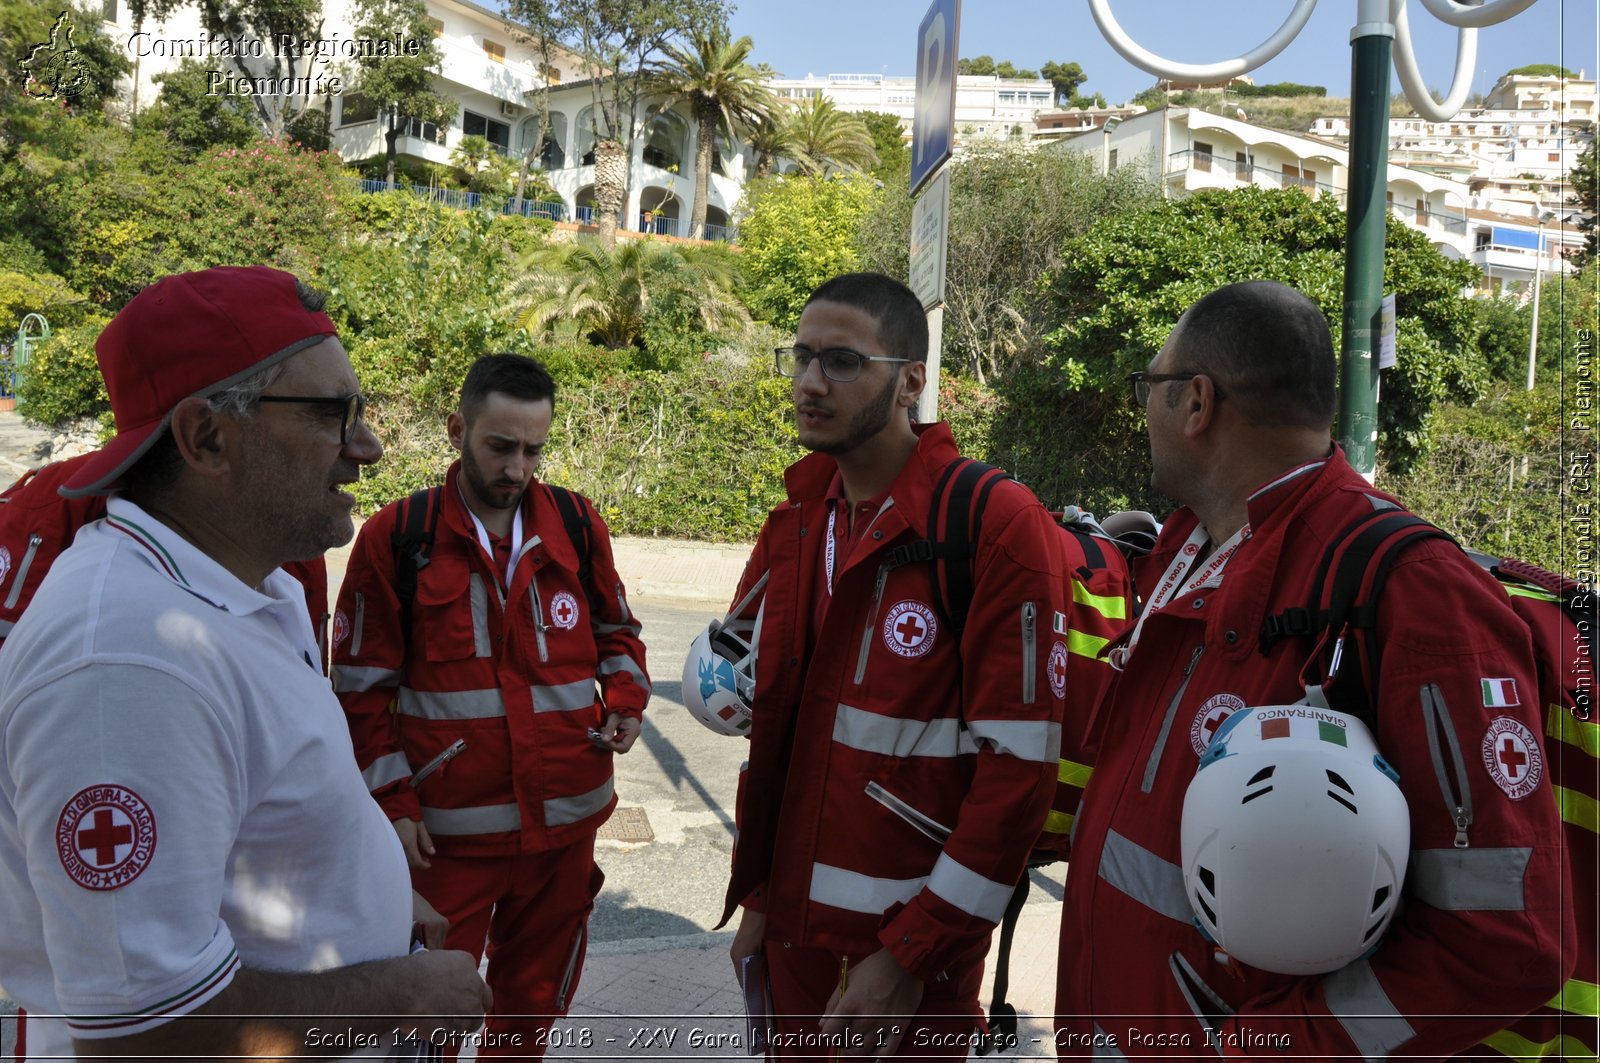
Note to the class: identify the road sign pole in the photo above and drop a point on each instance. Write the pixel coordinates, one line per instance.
(1366, 212)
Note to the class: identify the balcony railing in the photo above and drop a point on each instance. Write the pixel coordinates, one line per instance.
(662, 225)
(464, 200)
(1225, 173)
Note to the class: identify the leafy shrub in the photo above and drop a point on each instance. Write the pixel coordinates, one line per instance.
(62, 381)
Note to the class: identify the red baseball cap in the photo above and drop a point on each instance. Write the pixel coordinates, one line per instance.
(190, 334)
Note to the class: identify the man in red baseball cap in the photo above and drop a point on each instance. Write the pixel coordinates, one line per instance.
(183, 829)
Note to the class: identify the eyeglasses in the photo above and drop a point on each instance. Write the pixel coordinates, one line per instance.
(839, 364)
(1142, 381)
(352, 408)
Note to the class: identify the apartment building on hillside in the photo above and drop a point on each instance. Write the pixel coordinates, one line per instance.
(1186, 150)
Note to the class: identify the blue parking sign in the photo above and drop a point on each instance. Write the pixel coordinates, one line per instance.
(933, 128)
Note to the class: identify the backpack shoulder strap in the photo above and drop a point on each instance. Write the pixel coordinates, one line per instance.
(1346, 591)
(955, 523)
(575, 518)
(415, 522)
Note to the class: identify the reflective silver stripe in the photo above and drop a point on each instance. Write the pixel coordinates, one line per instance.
(612, 629)
(359, 625)
(1364, 1010)
(873, 732)
(350, 679)
(451, 705)
(559, 811)
(1468, 880)
(385, 770)
(1144, 876)
(479, 594)
(563, 698)
(1036, 740)
(1105, 1045)
(966, 889)
(623, 663)
(622, 607)
(855, 892)
(485, 819)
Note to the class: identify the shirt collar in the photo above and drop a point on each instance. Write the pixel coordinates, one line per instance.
(192, 568)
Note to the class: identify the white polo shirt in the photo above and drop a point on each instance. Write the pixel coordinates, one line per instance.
(178, 794)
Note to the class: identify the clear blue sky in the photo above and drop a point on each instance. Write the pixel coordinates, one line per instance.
(879, 37)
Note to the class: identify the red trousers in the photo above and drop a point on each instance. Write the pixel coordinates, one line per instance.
(945, 1026)
(533, 912)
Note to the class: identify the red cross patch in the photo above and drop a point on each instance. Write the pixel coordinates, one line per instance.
(909, 629)
(1056, 669)
(106, 836)
(564, 611)
(1210, 716)
(341, 627)
(1511, 754)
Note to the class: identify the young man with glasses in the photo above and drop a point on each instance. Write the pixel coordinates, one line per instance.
(522, 646)
(1239, 403)
(191, 864)
(873, 931)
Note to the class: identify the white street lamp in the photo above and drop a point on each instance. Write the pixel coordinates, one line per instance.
(1538, 272)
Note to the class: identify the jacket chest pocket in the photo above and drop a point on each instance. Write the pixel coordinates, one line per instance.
(452, 615)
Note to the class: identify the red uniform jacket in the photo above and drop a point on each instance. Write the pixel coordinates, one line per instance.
(968, 735)
(1485, 929)
(514, 674)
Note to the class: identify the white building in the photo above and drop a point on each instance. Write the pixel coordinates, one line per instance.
(985, 105)
(1514, 152)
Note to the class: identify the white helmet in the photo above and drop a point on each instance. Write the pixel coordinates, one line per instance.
(719, 674)
(1295, 839)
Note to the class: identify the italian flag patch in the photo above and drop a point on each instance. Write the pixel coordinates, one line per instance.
(1058, 623)
(1499, 693)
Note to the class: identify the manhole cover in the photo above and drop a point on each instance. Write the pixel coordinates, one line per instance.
(627, 825)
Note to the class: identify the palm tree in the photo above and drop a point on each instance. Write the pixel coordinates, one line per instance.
(606, 295)
(830, 138)
(723, 92)
(774, 137)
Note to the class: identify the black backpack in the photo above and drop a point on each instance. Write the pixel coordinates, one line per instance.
(418, 517)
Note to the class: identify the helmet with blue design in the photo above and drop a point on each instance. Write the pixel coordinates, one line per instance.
(719, 674)
(1295, 839)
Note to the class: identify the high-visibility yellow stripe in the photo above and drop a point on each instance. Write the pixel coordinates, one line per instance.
(1072, 773)
(1110, 606)
(1058, 823)
(1529, 592)
(1580, 810)
(1084, 644)
(1579, 998)
(1525, 1051)
(1565, 727)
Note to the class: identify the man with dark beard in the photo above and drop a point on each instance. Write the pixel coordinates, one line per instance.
(870, 709)
(486, 612)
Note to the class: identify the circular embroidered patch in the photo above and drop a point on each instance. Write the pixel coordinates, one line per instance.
(5, 563)
(1190, 549)
(1056, 669)
(106, 836)
(564, 611)
(909, 629)
(341, 627)
(1212, 715)
(1512, 755)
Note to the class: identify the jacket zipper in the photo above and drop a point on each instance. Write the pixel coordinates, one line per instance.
(22, 570)
(1030, 616)
(872, 622)
(1166, 724)
(1457, 798)
(572, 967)
(361, 619)
(538, 614)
